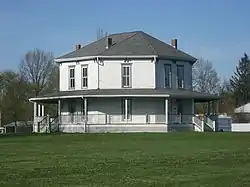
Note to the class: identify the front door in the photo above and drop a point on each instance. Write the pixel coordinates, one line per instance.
(72, 110)
(179, 111)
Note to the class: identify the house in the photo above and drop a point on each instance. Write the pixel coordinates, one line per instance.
(126, 82)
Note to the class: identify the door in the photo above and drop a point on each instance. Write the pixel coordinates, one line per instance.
(179, 111)
(72, 110)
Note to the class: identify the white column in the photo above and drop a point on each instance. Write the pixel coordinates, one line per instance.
(192, 106)
(217, 107)
(126, 108)
(166, 110)
(35, 109)
(42, 110)
(85, 108)
(35, 117)
(59, 111)
(39, 110)
(209, 108)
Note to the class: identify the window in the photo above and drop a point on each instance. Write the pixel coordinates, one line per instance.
(180, 76)
(84, 76)
(126, 107)
(72, 78)
(168, 78)
(126, 75)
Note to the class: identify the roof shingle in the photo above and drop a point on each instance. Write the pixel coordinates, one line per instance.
(131, 44)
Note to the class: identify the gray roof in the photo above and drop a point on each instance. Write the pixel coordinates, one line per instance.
(174, 93)
(131, 44)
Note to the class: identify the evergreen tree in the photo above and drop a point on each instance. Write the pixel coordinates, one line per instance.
(240, 82)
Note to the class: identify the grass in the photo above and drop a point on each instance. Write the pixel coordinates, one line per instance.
(173, 159)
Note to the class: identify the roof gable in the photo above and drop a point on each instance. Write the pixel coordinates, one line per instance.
(130, 44)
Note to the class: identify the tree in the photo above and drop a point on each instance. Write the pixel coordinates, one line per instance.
(240, 81)
(227, 102)
(205, 78)
(101, 34)
(37, 68)
(14, 98)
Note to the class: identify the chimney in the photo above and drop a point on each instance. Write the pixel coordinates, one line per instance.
(78, 46)
(108, 42)
(174, 43)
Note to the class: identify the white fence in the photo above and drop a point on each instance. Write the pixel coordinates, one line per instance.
(240, 127)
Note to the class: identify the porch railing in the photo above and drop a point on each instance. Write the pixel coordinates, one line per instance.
(120, 119)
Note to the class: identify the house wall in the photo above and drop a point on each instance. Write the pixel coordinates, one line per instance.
(143, 74)
(160, 75)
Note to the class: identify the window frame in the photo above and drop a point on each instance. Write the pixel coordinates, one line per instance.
(84, 77)
(177, 75)
(128, 77)
(72, 78)
(168, 76)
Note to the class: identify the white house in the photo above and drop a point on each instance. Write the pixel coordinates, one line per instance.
(126, 82)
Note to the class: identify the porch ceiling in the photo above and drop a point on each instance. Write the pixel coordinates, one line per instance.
(173, 93)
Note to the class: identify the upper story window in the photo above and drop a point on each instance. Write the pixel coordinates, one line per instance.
(180, 76)
(168, 78)
(72, 77)
(126, 75)
(84, 76)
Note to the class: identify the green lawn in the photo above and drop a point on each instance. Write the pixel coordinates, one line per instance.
(173, 159)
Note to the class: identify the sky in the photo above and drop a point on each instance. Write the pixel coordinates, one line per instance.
(216, 30)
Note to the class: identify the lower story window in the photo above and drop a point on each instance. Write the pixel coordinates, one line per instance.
(126, 108)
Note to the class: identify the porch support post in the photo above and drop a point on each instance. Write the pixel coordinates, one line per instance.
(35, 117)
(39, 110)
(85, 108)
(126, 109)
(59, 111)
(166, 110)
(192, 107)
(217, 107)
(35, 109)
(42, 110)
(209, 108)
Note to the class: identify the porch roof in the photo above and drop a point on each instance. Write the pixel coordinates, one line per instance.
(172, 93)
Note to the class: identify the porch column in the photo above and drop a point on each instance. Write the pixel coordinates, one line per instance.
(126, 109)
(192, 107)
(35, 125)
(85, 108)
(217, 107)
(209, 108)
(42, 110)
(35, 110)
(166, 110)
(39, 110)
(59, 111)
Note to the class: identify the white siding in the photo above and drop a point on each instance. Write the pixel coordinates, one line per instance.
(143, 74)
(160, 75)
(64, 75)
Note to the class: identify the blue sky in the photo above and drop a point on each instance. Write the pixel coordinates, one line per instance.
(217, 30)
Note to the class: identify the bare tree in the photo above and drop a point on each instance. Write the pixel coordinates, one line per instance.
(101, 34)
(205, 77)
(37, 68)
